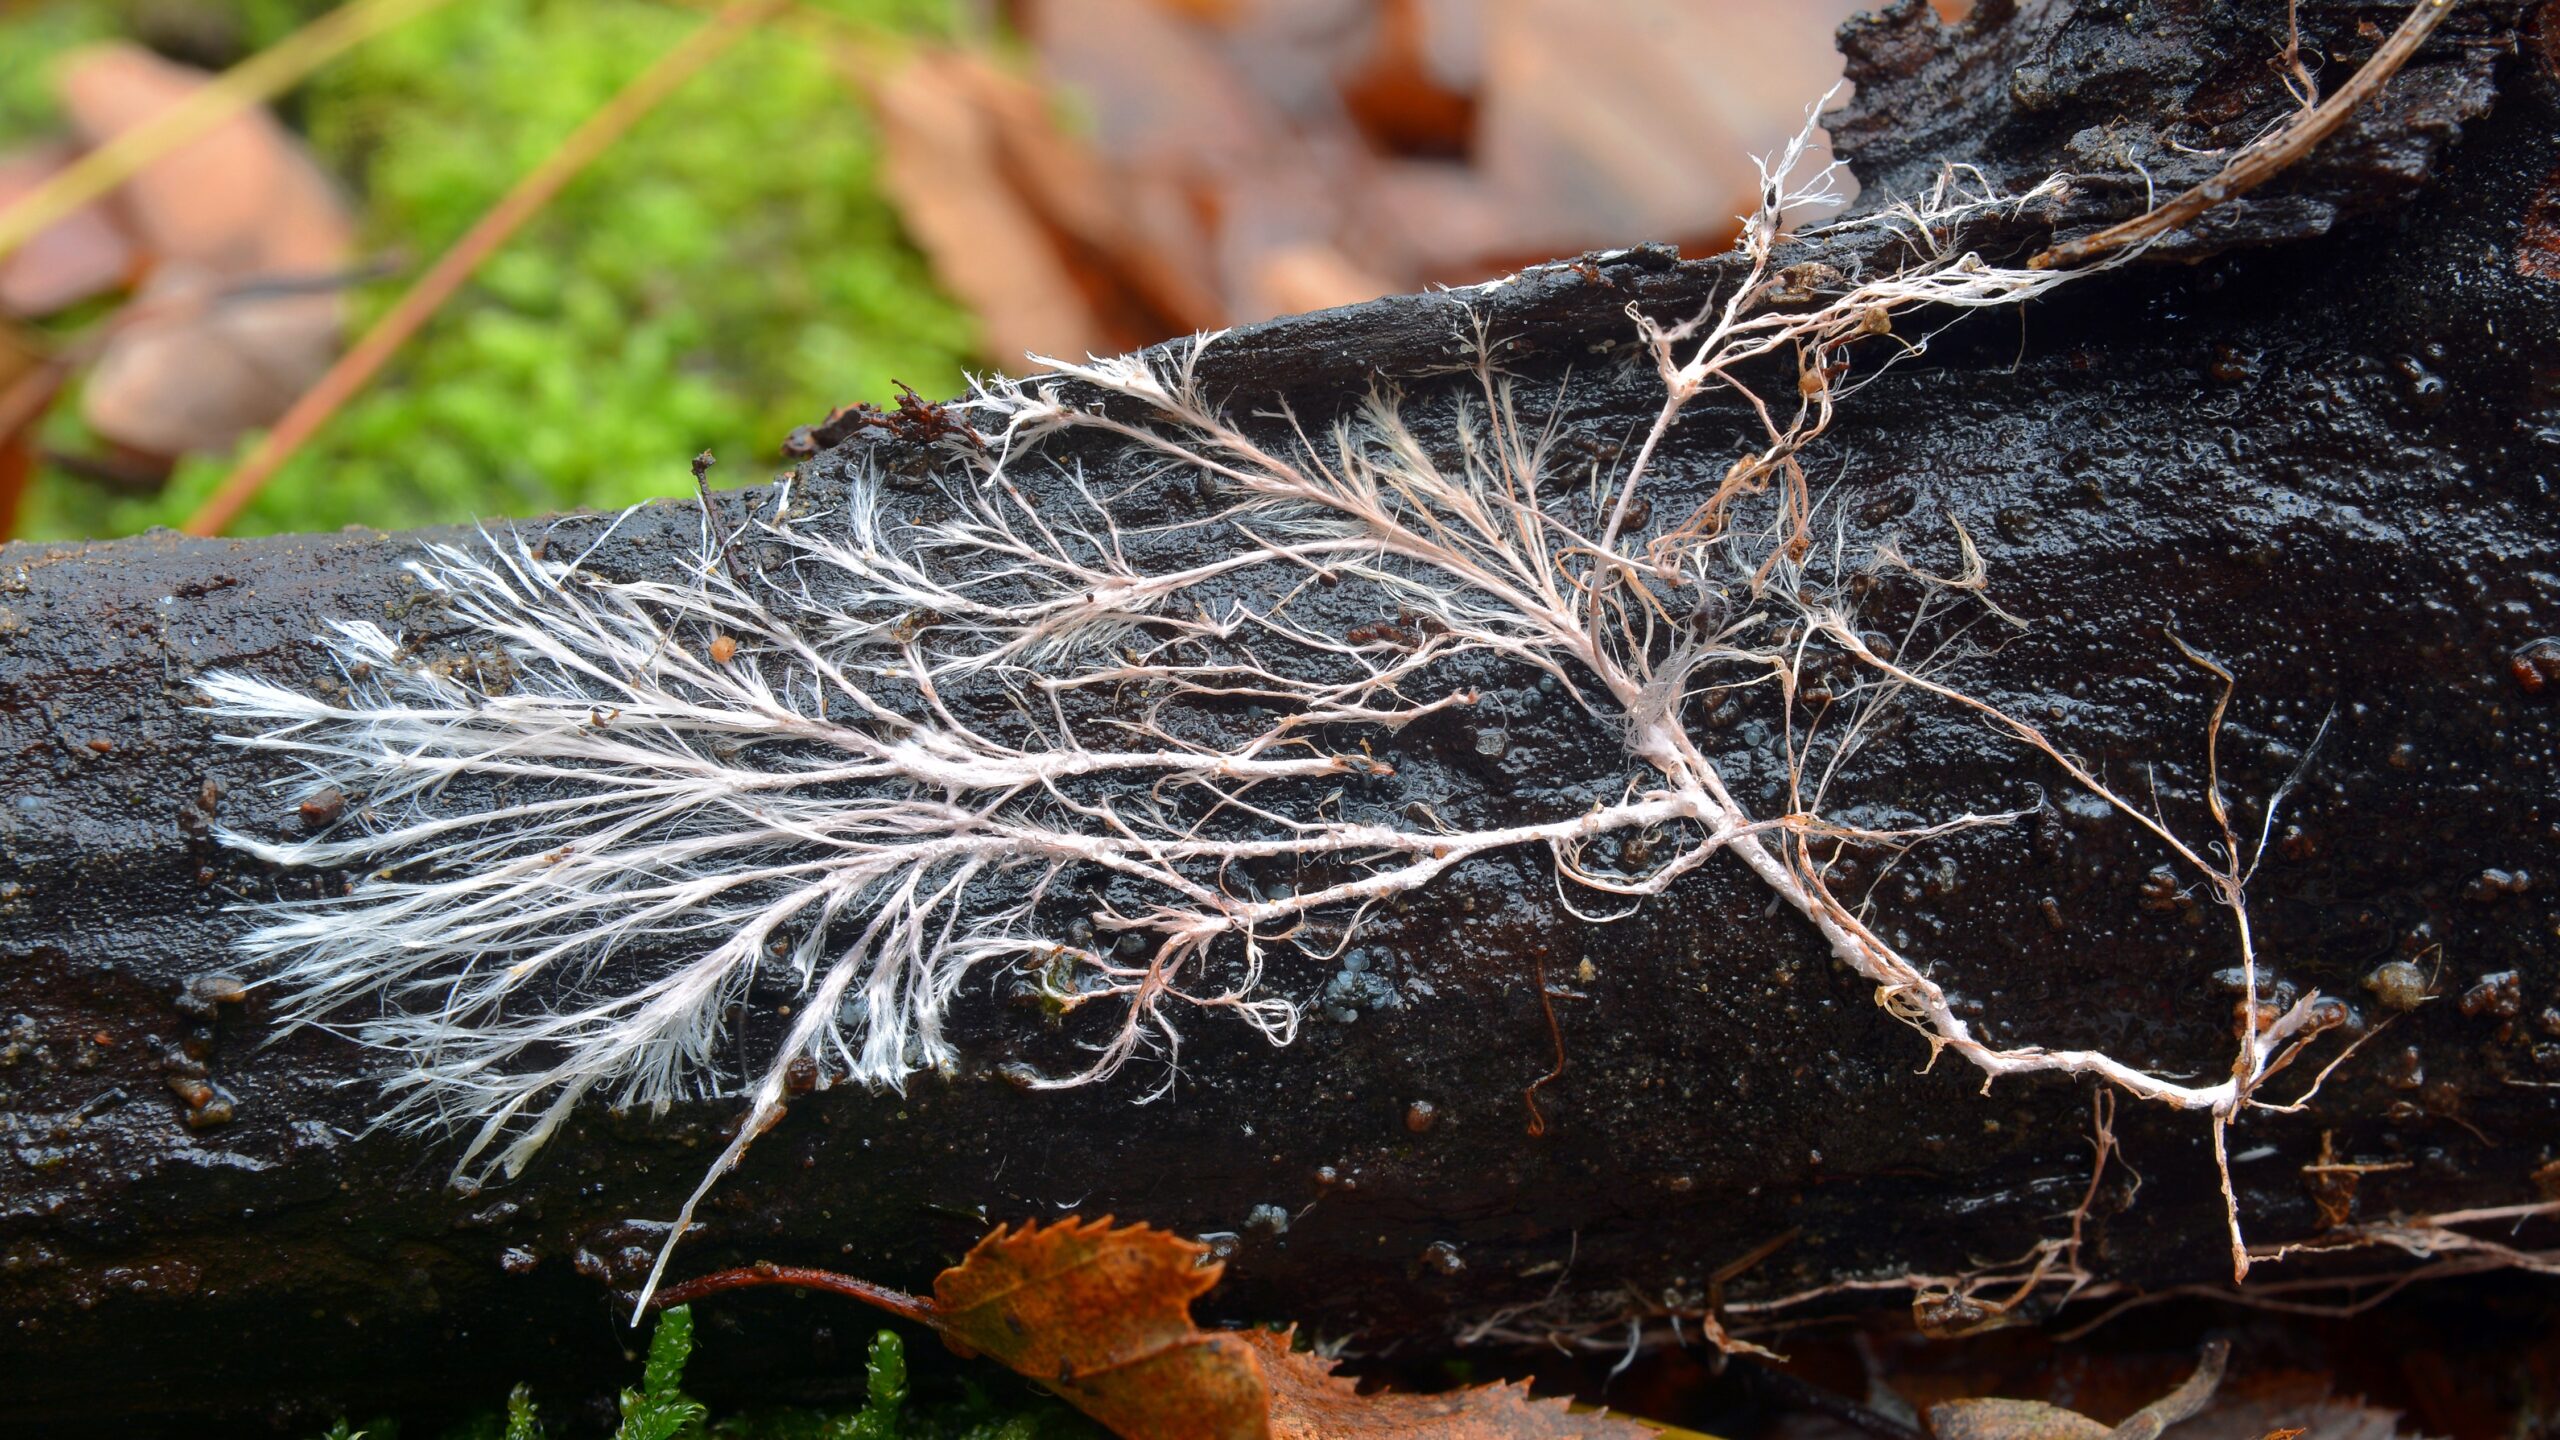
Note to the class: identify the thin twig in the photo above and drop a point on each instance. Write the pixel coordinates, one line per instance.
(896, 1302)
(35, 376)
(17, 471)
(2191, 1396)
(1555, 1033)
(357, 367)
(2263, 159)
(252, 82)
(2298, 77)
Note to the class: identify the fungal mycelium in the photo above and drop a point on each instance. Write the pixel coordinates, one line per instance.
(1045, 726)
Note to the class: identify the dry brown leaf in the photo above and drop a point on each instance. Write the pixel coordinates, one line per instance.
(2011, 1420)
(942, 166)
(81, 256)
(1139, 289)
(1211, 167)
(2298, 1403)
(1410, 96)
(2036, 1420)
(1102, 1314)
(1018, 218)
(245, 198)
(1196, 164)
(1310, 1402)
(244, 203)
(2297, 1407)
(1299, 278)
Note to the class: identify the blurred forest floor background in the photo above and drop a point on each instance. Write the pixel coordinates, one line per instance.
(854, 193)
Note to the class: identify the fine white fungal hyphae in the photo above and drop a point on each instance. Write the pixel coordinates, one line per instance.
(835, 762)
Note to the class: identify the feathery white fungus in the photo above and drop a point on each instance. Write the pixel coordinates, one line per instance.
(870, 764)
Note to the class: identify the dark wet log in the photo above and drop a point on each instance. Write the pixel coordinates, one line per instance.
(2329, 456)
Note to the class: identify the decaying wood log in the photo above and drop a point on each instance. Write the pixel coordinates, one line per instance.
(2321, 451)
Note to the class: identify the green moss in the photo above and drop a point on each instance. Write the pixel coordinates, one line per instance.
(727, 271)
(521, 1422)
(660, 1410)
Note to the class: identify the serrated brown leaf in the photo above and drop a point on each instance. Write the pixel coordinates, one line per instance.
(1099, 1313)
(1310, 1402)
(1102, 1314)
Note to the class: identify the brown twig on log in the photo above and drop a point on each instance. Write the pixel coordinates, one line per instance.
(2266, 158)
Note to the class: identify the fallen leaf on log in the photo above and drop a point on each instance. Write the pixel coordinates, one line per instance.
(1102, 1315)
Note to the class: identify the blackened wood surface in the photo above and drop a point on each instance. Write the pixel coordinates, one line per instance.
(2328, 456)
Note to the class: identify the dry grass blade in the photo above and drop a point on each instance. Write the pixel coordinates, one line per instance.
(357, 367)
(253, 81)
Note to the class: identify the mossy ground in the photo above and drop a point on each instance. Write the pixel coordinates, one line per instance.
(727, 271)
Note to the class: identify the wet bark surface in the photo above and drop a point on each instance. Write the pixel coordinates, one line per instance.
(2328, 456)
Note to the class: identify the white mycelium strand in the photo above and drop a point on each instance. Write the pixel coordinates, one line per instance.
(872, 763)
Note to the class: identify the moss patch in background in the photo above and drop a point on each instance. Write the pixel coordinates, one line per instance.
(726, 272)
